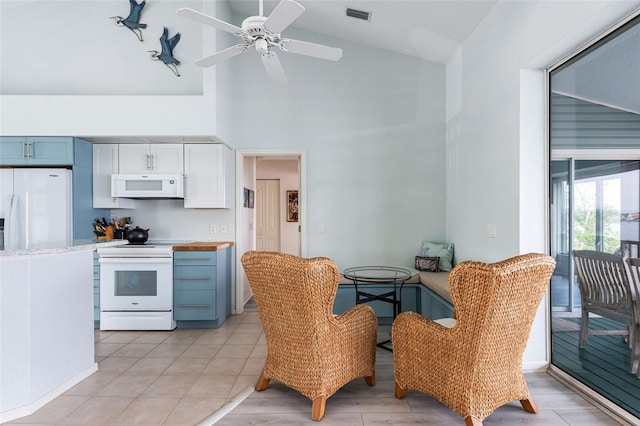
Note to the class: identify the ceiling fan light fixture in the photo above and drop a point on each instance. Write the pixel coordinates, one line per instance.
(262, 46)
(359, 14)
(263, 33)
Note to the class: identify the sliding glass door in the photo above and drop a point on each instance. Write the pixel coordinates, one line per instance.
(594, 113)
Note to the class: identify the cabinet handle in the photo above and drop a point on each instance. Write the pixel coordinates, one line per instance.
(194, 305)
(192, 278)
(148, 162)
(31, 150)
(153, 166)
(25, 149)
(196, 258)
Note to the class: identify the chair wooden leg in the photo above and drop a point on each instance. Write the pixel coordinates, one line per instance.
(262, 383)
(317, 408)
(584, 329)
(472, 421)
(529, 405)
(371, 380)
(400, 393)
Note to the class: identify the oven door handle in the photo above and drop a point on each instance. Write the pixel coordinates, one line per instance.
(135, 260)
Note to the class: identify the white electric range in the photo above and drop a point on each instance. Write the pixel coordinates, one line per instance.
(136, 286)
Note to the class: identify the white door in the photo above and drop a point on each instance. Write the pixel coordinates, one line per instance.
(267, 205)
(105, 163)
(204, 170)
(167, 158)
(134, 158)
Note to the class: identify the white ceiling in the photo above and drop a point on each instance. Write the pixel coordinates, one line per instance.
(426, 29)
(434, 29)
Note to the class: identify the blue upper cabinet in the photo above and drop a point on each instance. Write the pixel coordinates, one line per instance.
(36, 151)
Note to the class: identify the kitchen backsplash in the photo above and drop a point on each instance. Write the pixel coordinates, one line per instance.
(169, 220)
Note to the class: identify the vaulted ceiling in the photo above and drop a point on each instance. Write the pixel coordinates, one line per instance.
(426, 29)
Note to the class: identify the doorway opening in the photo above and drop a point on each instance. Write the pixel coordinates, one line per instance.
(266, 224)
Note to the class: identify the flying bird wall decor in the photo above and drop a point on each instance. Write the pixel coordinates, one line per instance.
(166, 55)
(133, 20)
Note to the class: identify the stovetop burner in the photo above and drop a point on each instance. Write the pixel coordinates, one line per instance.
(148, 249)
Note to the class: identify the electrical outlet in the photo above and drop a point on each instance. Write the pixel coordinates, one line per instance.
(491, 231)
(223, 229)
(321, 228)
(213, 229)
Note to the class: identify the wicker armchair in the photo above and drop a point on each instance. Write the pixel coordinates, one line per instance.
(475, 365)
(607, 288)
(308, 348)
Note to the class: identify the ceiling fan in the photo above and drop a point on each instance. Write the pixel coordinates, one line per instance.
(263, 33)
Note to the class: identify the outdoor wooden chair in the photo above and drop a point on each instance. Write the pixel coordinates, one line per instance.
(473, 364)
(308, 348)
(608, 289)
(634, 270)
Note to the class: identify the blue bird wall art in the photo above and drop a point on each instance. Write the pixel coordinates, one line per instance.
(133, 20)
(166, 56)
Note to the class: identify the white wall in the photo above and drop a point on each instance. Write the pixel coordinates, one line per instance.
(372, 126)
(496, 129)
(84, 76)
(286, 171)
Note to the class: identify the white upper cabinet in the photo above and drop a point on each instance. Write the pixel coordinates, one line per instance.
(105, 163)
(208, 175)
(151, 158)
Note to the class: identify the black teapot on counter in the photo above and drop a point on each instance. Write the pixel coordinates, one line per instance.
(137, 235)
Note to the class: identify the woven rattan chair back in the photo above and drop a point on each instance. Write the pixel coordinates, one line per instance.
(607, 288)
(475, 366)
(308, 348)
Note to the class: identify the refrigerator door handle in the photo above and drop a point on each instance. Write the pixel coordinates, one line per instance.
(10, 235)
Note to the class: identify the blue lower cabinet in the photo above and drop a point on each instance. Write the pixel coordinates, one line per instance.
(201, 287)
(415, 297)
(433, 306)
(346, 298)
(195, 305)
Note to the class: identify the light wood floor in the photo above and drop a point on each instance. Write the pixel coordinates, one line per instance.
(183, 376)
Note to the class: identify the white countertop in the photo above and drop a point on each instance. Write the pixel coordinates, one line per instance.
(60, 247)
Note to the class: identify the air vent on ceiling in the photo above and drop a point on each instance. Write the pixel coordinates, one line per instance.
(360, 14)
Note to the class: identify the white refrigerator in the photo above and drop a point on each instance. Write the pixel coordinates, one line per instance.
(36, 206)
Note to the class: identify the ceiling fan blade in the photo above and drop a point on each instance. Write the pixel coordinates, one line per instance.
(311, 49)
(274, 68)
(222, 55)
(283, 15)
(208, 20)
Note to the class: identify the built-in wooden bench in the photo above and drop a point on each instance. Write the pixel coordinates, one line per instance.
(426, 293)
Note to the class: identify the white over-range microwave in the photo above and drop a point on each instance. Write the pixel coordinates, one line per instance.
(147, 185)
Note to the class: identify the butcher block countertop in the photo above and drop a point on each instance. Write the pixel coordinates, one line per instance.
(203, 246)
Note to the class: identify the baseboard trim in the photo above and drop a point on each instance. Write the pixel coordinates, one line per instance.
(535, 367)
(29, 409)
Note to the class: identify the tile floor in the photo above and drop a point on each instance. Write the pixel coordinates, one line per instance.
(182, 377)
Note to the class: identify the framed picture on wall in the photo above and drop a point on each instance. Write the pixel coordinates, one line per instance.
(251, 197)
(292, 206)
(246, 198)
